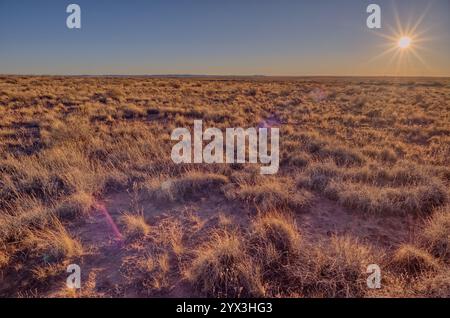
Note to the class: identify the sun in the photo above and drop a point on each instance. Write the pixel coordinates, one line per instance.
(402, 52)
(404, 42)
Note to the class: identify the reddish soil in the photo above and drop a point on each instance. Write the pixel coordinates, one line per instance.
(110, 259)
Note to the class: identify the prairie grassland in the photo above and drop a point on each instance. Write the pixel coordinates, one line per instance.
(87, 178)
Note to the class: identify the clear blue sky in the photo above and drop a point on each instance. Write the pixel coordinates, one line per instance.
(240, 37)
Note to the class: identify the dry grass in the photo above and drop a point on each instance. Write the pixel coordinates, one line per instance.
(276, 238)
(399, 190)
(363, 145)
(186, 187)
(339, 268)
(436, 234)
(436, 285)
(157, 270)
(4, 259)
(77, 205)
(223, 269)
(53, 243)
(134, 225)
(413, 261)
(270, 194)
(274, 255)
(365, 198)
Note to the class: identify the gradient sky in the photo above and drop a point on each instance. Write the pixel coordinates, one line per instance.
(228, 37)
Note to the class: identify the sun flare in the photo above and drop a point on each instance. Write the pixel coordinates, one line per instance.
(404, 42)
(404, 46)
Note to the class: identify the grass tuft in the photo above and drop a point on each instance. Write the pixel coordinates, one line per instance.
(223, 269)
(135, 225)
(413, 260)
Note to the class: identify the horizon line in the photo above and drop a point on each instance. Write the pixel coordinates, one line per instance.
(175, 75)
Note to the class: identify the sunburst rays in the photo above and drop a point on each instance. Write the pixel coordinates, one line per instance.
(405, 44)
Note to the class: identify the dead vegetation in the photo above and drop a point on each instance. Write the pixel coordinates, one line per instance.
(374, 148)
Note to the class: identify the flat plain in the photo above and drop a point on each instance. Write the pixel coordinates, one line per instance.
(87, 179)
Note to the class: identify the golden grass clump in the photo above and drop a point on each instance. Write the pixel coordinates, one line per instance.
(53, 243)
(276, 238)
(130, 111)
(4, 259)
(19, 219)
(435, 285)
(156, 270)
(170, 234)
(413, 260)
(185, 187)
(223, 269)
(396, 176)
(342, 156)
(325, 148)
(135, 225)
(271, 194)
(78, 204)
(365, 198)
(318, 175)
(436, 234)
(339, 269)
(276, 246)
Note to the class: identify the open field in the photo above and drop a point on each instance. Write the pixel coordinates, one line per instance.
(87, 178)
